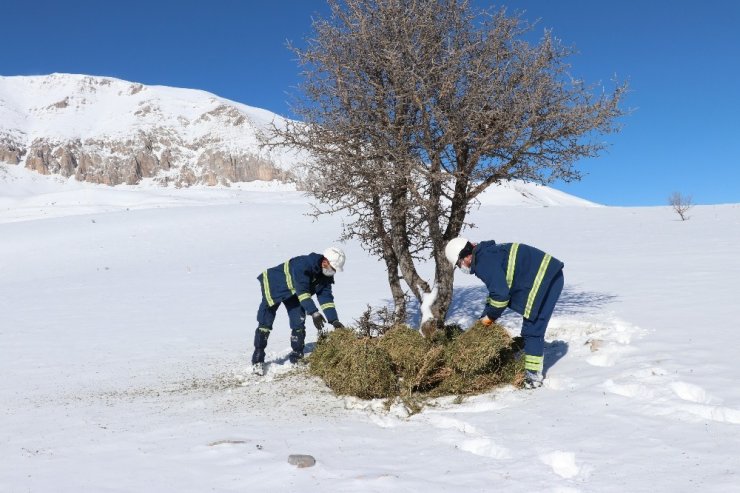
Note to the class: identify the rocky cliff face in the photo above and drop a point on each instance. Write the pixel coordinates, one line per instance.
(110, 131)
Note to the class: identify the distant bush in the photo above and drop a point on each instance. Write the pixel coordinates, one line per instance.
(401, 363)
(681, 204)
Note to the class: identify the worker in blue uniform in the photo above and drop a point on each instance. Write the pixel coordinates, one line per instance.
(293, 283)
(520, 277)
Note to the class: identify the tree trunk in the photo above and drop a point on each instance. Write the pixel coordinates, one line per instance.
(391, 261)
(444, 272)
(445, 278)
(399, 297)
(400, 236)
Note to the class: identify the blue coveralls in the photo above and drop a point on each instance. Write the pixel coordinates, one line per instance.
(526, 280)
(292, 283)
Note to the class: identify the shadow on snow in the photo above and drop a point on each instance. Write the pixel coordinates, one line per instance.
(468, 302)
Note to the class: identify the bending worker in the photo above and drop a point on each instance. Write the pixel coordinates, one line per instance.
(293, 283)
(519, 277)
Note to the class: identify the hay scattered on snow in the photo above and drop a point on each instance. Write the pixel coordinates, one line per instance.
(403, 363)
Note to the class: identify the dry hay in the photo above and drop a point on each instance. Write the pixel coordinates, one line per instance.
(478, 349)
(407, 349)
(352, 366)
(330, 351)
(403, 363)
(417, 362)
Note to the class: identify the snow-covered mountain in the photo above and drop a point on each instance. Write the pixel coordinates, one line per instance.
(106, 130)
(521, 193)
(110, 131)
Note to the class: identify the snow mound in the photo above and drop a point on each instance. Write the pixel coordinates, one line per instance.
(517, 192)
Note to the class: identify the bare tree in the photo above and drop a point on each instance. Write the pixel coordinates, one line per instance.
(681, 204)
(412, 108)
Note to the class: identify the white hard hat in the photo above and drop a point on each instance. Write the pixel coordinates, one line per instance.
(336, 258)
(453, 249)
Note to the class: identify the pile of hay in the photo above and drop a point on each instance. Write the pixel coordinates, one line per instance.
(352, 366)
(402, 363)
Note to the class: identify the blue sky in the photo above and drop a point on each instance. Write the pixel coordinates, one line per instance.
(681, 59)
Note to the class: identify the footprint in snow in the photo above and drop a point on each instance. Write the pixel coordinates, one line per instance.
(690, 392)
(603, 341)
(562, 463)
(466, 437)
(703, 405)
(678, 398)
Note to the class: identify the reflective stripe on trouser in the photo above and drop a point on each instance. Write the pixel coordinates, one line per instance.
(297, 339)
(533, 331)
(297, 316)
(266, 317)
(533, 363)
(260, 343)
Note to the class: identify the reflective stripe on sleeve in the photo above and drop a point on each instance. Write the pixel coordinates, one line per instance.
(304, 296)
(512, 264)
(537, 283)
(497, 304)
(327, 305)
(266, 288)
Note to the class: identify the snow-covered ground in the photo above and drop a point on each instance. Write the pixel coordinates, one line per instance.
(127, 317)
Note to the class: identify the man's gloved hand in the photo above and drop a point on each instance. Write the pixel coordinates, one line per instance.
(486, 321)
(337, 324)
(318, 320)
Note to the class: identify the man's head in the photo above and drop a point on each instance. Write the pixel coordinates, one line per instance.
(459, 252)
(333, 260)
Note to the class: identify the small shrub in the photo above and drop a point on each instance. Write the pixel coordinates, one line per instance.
(375, 322)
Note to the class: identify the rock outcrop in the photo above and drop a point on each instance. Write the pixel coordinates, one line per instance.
(114, 132)
(10, 152)
(112, 162)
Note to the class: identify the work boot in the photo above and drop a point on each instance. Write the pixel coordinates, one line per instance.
(295, 357)
(258, 369)
(532, 379)
(258, 356)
